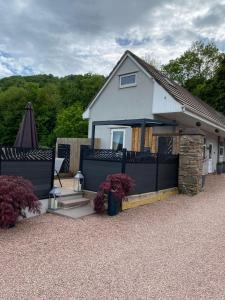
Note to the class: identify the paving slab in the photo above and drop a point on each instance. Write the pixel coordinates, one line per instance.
(74, 213)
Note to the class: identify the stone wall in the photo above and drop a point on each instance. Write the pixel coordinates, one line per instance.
(191, 161)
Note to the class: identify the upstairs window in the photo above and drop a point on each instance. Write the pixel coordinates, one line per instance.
(127, 80)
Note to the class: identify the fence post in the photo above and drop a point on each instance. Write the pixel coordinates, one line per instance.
(82, 148)
(53, 167)
(124, 158)
(157, 173)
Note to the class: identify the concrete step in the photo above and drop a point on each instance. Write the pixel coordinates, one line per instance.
(74, 213)
(72, 196)
(66, 203)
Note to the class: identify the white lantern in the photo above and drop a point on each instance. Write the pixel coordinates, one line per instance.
(54, 196)
(78, 182)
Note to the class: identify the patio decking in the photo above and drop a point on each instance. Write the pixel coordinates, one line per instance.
(173, 249)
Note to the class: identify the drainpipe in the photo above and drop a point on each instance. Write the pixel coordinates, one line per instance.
(218, 150)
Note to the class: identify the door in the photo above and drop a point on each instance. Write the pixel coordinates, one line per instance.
(165, 145)
(117, 139)
(210, 164)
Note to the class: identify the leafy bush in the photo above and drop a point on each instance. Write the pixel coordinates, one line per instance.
(16, 194)
(120, 184)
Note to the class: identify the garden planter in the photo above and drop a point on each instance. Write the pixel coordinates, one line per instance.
(219, 168)
(114, 204)
(203, 180)
(224, 167)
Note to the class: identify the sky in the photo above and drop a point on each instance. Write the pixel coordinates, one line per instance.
(63, 37)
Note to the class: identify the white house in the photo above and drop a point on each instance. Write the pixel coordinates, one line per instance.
(136, 90)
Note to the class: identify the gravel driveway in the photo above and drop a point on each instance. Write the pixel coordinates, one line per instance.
(173, 249)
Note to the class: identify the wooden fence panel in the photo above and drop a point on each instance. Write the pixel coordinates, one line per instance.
(75, 144)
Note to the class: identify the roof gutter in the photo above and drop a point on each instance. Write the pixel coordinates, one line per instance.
(188, 111)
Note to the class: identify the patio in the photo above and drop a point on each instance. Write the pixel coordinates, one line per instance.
(172, 249)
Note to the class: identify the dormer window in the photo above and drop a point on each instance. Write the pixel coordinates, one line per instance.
(127, 80)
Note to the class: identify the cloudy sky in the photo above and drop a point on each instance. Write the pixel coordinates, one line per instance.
(64, 37)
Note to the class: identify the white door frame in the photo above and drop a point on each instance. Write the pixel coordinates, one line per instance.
(114, 130)
(210, 164)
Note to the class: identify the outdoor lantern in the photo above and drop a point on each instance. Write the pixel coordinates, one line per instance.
(78, 182)
(54, 196)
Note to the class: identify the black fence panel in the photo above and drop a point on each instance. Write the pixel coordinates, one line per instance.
(144, 176)
(96, 171)
(64, 152)
(151, 171)
(36, 165)
(167, 171)
(38, 172)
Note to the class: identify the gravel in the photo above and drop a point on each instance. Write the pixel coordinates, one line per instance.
(172, 249)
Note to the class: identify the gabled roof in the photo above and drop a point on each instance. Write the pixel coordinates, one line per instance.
(182, 95)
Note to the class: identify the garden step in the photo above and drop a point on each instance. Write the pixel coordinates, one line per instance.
(72, 203)
(71, 196)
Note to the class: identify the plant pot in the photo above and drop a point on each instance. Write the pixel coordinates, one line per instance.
(224, 167)
(114, 204)
(203, 180)
(219, 169)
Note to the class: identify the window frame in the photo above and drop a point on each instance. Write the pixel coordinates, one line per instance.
(221, 148)
(129, 84)
(111, 138)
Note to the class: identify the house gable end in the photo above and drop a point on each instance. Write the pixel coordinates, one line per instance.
(163, 102)
(117, 71)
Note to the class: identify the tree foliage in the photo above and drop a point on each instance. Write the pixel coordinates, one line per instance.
(201, 69)
(70, 123)
(196, 65)
(50, 96)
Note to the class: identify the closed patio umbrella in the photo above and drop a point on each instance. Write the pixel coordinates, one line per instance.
(27, 134)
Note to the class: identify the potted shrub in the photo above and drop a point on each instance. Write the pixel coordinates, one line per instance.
(117, 187)
(219, 167)
(16, 194)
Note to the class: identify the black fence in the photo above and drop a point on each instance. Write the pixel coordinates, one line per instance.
(36, 165)
(151, 171)
(64, 152)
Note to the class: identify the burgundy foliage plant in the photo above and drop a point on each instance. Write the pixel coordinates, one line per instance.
(16, 194)
(121, 184)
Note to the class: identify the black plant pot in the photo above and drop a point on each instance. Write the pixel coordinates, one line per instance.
(224, 167)
(203, 180)
(219, 169)
(114, 204)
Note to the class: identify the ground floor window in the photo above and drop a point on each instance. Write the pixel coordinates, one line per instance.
(117, 139)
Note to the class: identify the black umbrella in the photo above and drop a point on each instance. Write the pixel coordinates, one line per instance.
(27, 134)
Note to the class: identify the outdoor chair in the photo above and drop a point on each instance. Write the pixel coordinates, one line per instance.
(58, 166)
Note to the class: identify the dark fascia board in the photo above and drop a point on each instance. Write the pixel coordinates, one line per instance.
(136, 122)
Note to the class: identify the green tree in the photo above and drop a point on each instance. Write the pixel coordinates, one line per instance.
(213, 90)
(70, 122)
(195, 66)
(49, 96)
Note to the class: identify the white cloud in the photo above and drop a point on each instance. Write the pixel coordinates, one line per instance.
(64, 37)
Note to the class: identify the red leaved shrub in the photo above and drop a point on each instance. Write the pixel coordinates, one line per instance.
(16, 194)
(121, 184)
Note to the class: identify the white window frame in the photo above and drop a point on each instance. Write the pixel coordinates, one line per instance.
(211, 144)
(128, 85)
(221, 147)
(114, 130)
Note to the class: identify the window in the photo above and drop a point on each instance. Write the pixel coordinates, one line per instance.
(127, 80)
(117, 139)
(204, 149)
(221, 151)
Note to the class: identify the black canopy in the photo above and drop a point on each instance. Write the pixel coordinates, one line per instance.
(27, 134)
